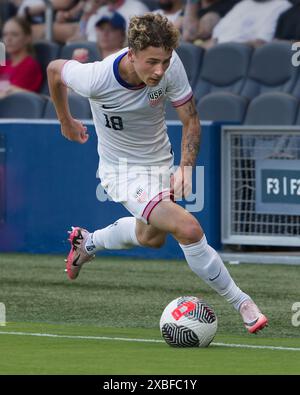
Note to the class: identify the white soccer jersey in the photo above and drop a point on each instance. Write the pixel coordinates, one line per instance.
(129, 120)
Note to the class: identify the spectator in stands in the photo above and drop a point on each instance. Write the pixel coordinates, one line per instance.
(111, 35)
(250, 21)
(66, 17)
(90, 8)
(32, 10)
(126, 8)
(288, 25)
(21, 72)
(67, 21)
(201, 16)
(172, 9)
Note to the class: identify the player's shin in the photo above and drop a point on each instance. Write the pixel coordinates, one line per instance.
(208, 265)
(117, 236)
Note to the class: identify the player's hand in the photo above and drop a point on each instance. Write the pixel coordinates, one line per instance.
(181, 182)
(74, 130)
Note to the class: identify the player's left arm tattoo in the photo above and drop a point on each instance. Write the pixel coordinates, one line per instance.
(190, 142)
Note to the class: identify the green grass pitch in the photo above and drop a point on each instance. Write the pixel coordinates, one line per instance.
(107, 321)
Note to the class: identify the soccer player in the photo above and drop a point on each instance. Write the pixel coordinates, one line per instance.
(127, 91)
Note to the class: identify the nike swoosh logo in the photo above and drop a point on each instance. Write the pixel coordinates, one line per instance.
(108, 107)
(251, 323)
(214, 278)
(74, 263)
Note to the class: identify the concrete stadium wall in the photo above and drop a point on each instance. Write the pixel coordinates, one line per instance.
(49, 183)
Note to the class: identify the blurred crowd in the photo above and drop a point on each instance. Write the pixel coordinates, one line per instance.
(202, 22)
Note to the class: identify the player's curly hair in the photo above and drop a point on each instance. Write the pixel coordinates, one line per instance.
(152, 30)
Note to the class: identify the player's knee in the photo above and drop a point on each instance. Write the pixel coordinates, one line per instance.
(154, 242)
(189, 232)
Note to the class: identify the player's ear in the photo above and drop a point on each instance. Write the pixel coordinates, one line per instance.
(130, 55)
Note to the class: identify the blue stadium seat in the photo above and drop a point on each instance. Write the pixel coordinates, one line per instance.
(222, 107)
(224, 68)
(45, 52)
(22, 105)
(191, 57)
(79, 107)
(296, 89)
(270, 70)
(274, 108)
(297, 122)
(218, 107)
(67, 50)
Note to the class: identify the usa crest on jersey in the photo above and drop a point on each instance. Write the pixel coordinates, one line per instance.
(155, 97)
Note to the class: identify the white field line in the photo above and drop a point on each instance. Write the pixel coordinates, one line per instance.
(231, 345)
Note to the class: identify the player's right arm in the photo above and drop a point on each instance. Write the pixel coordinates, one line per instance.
(71, 128)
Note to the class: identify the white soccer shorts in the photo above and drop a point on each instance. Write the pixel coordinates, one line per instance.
(139, 189)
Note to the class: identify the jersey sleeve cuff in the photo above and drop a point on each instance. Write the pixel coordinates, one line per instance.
(181, 102)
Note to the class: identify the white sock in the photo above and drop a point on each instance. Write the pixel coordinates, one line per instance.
(117, 236)
(208, 265)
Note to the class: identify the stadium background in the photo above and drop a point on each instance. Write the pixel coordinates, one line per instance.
(233, 84)
(246, 98)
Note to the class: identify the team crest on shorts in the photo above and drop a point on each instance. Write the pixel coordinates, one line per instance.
(140, 194)
(155, 97)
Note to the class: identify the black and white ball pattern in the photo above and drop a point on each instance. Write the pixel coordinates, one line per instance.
(202, 312)
(179, 336)
(188, 322)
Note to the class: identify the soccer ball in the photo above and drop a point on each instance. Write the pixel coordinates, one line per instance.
(188, 322)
